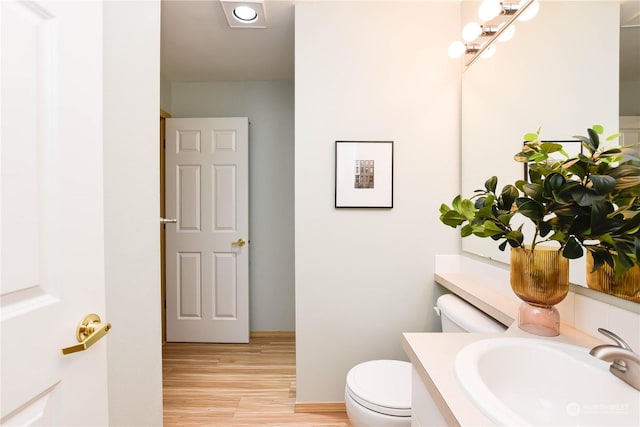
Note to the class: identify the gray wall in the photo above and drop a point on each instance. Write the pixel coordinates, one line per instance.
(269, 106)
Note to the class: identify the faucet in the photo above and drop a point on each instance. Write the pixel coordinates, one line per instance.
(625, 364)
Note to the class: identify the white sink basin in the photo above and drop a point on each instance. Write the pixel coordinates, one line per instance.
(524, 381)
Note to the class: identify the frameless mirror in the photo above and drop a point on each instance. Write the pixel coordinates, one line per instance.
(560, 72)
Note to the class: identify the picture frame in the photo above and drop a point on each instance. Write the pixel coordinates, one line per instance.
(572, 147)
(364, 174)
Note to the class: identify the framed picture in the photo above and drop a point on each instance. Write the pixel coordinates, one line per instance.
(364, 174)
(571, 147)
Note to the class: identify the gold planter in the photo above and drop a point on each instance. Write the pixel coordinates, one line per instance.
(540, 278)
(604, 280)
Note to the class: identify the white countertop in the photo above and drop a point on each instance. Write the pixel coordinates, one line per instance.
(434, 354)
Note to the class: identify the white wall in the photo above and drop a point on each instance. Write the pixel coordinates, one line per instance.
(379, 71)
(131, 195)
(269, 106)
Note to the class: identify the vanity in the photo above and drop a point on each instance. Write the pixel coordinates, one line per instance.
(436, 388)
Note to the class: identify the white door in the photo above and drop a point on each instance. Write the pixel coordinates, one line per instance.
(51, 223)
(207, 192)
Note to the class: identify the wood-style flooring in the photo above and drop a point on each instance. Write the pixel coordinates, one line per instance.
(235, 385)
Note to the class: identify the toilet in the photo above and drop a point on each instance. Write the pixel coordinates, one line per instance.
(378, 392)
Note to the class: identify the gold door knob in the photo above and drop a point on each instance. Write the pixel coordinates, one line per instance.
(240, 242)
(88, 332)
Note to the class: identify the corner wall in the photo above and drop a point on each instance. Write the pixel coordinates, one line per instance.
(269, 106)
(370, 71)
(131, 200)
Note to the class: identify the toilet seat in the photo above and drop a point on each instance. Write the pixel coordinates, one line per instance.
(383, 386)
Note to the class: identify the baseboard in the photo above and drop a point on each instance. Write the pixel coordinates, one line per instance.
(320, 407)
(274, 334)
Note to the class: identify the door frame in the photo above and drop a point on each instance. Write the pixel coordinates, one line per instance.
(163, 243)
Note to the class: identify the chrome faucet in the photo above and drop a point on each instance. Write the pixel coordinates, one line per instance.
(625, 364)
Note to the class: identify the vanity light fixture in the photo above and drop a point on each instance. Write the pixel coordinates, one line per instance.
(458, 49)
(494, 27)
(245, 14)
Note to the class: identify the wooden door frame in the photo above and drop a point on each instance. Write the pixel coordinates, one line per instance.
(163, 262)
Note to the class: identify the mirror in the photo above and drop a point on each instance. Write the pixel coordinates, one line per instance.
(560, 72)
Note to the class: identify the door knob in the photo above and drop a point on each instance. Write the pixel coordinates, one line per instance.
(240, 242)
(168, 220)
(88, 332)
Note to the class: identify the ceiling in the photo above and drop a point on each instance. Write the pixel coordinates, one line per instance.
(198, 44)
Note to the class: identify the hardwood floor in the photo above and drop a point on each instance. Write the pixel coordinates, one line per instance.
(234, 385)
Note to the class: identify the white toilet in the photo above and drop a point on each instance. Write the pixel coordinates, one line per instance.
(378, 392)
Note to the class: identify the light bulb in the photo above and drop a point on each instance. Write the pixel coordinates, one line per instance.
(507, 34)
(245, 14)
(471, 31)
(531, 11)
(488, 52)
(489, 9)
(457, 49)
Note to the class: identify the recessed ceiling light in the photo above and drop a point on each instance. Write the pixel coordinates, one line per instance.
(245, 14)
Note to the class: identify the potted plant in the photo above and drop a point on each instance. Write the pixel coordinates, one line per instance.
(590, 202)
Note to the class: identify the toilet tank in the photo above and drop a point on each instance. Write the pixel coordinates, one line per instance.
(457, 315)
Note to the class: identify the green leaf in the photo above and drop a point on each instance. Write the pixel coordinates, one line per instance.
(488, 201)
(598, 129)
(614, 136)
(466, 230)
(467, 209)
(444, 208)
(612, 152)
(491, 184)
(530, 137)
(553, 182)
(603, 184)
(530, 208)
(599, 211)
(452, 218)
(587, 144)
(502, 246)
(534, 191)
(585, 197)
(507, 197)
(595, 139)
(573, 249)
(506, 218)
(550, 147)
(631, 225)
(492, 229)
(457, 202)
(545, 228)
(515, 238)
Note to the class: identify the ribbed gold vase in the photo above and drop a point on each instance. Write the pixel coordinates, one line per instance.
(541, 277)
(604, 280)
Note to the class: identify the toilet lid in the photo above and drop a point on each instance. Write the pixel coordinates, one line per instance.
(383, 386)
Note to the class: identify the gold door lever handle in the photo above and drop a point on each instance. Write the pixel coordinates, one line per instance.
(240, 242)
(89, 331)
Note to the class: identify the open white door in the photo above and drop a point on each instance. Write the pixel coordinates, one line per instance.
(207, 192)
(51, 223)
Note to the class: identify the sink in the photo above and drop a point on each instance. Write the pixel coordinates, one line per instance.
(526, 381)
